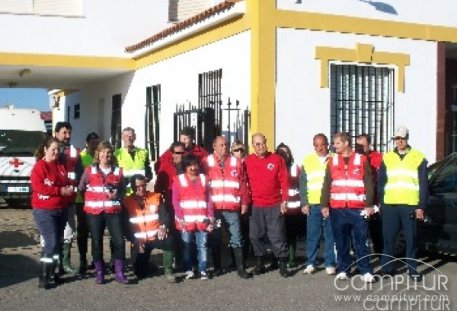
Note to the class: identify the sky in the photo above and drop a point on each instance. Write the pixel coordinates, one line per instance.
(25, 98)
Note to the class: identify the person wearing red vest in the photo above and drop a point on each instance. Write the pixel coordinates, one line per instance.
(187, 137)
(103, 186)
(50, 193)
(194, 213)
(347, 193)
(164, 185)
(149, 227)
(229, 193)
(267, 177)
(294, 218)
(69, 156)
(363, 146)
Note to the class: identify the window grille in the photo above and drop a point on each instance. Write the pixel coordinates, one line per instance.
(362, 102)
(210, 94)
(116, 119)
(153, 99)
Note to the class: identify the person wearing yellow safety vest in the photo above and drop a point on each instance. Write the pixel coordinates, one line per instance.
(403, 194)
(294, 218)
(311, 180)
(131, 159)
(149, 228)
(82, 228)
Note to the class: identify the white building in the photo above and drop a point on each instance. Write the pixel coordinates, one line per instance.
(299, 67)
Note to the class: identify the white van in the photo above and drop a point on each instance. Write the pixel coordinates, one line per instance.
(21, 131)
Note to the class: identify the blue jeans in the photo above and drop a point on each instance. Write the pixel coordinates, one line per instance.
(344, 222)
(200, 238)
(51, 224)
(232, 221)
(313, 237)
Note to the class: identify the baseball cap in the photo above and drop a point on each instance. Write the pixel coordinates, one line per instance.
(91, 136)
(401, 131)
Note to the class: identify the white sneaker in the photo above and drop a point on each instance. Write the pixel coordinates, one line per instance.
(203, 276)
(189, 275)
(368, 278)
(342, 276)
(330, 270)
(310, 269)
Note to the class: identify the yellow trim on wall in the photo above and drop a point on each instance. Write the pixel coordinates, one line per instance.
(222, 31)
(363, 53)
(364, 26)
(263, 64)
(71, 61)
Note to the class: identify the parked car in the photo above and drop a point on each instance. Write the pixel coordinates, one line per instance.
(438, 233)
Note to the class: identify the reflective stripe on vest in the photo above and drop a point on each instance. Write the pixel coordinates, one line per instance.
(315, 173)
(190, 204)
(293, 204)
(102, 204)
(224, 184)
(225, 198)
(146, 234)
(347, 188)
(402, 185)
(143, 219)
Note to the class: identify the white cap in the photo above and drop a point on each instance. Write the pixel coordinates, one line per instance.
(401, 131)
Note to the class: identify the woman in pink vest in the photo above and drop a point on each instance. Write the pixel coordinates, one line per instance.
(193, 213)
(103, 188)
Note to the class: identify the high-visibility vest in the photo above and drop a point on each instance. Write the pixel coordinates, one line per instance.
(224, 183)
(293, 199)
(402, 185)
(192, 201)
(86, 160)
(144, 221)
(315, 174)
(347, 188)
(97, 191)
(131, 166)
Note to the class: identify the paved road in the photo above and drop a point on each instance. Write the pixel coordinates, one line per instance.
(19, 253)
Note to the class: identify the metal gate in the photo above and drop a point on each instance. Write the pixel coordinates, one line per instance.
(218, 119)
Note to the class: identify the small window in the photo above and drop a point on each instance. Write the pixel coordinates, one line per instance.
(76, 111)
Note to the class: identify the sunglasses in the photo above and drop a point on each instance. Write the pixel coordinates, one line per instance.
(238, 150)
(179, 152)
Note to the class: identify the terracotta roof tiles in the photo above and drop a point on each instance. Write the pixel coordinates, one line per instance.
(221, 7)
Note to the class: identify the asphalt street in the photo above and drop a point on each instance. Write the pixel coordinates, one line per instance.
(19, 255)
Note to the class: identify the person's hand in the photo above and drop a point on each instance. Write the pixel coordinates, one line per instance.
(66, 191)
(420, 214)
(325, 211)
(305, 209)
(112, 194)
(162, 233)
(244, 209)
(368, 211)
(283, 207)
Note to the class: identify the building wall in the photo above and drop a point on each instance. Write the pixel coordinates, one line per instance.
(303, 107)
(95, 33)
(413, 11)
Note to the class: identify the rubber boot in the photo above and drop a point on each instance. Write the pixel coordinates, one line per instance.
(259, 266)
(82, 248)
(45, 267)
(238, 254)
(292, 252)
(66, 259)
(167, 266)
(82, 265)
(119, 271)
(216, 253)
(283, 267)
(232, 265)
(99, 272)
(52, 273)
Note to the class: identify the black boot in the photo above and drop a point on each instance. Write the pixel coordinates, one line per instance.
(283, 267)
(45, 267)
(259, 266)
(216, 253)
(238, 254)
(53, 276)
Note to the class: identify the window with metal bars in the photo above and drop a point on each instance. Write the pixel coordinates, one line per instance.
(362, 102)
(153, 98)
(116, 119)
(210, 93)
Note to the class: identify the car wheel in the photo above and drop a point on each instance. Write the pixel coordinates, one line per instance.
(400, 245)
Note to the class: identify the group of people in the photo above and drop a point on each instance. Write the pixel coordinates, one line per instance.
(259, 200)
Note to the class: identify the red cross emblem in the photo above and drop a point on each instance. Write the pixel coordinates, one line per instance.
(16, 163)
